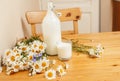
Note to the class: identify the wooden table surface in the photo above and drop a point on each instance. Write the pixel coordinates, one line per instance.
(82, 67)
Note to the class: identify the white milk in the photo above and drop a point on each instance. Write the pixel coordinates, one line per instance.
(64, 50)
(51, 28)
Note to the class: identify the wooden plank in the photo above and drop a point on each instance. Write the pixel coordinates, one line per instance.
(70, 14)
(83, 68)
(36, 17)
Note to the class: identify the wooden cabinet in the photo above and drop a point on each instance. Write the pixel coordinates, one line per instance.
(116, 15)
(89, 22)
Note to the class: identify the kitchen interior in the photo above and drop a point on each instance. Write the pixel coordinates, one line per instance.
(97, 16)
(13, 21)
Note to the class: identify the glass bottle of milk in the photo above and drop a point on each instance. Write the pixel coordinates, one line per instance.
(51, 28)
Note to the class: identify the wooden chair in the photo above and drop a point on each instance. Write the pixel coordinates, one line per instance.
(71, 14)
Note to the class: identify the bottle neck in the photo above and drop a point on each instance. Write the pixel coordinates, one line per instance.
(50, 5)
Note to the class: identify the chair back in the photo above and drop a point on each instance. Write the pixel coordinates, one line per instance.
(71, 14)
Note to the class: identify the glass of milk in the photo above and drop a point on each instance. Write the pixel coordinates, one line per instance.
(64, 50)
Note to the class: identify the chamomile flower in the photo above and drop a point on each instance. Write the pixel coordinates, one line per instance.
(16, 66)
(24, 65)
(34, 46)
(11, 59)
(35, 50)
(15, 50)
(24, 48)
(30, 56)
(17, 55)
(27, 55)
(32, 50)
(8, 52)
(38, 47)
(99, 49)
(50, 74)
(37, 67)
(60, 70)
(44, 63)
(94, 53)
(42, 47)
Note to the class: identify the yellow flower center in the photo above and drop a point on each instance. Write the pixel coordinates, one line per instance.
(30, 57)
(12, 58)
(15, 50)
(44, 64)
(35, 46)
(36, 66)
(17, 54)
(61, 70)
(38, 51)
(8, 53)
(50, 74)
(32, 50)
(24, 64)
(41, 47)
(16, 66)
(23, 48)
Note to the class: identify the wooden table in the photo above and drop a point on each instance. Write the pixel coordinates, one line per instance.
(83, 68)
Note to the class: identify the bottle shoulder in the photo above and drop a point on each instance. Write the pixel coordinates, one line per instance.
(51, 16)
